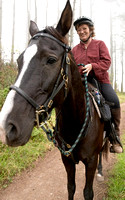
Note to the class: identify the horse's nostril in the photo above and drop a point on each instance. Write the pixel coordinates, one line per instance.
(11, 133)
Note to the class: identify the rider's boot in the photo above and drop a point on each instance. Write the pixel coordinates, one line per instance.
(116, 146)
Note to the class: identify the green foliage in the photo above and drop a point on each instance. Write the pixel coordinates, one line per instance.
(3, 94)
(8, 74)
(7, 77)
(121, 97)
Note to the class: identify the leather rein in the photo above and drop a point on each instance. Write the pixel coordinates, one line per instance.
(42, 110)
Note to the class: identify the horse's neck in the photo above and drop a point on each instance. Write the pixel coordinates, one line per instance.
(73, 109)
(77, 92)
(76, 99)
(72, 115)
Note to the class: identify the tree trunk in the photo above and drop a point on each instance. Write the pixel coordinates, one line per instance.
(111, 50)
(122, 81)
(35, 11)
(72, 27)
(28, 21)
(13, 34)
(0, 31)
(46, 11)
(115, 81)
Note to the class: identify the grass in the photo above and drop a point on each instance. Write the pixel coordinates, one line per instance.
(116, 182)
(14, 160)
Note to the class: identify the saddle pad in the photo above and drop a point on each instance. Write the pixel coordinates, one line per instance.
(95, 104)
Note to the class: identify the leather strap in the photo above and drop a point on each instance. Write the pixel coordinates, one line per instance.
(23, 94)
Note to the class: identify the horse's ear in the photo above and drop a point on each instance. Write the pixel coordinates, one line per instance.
(65, 21)
(33, 28)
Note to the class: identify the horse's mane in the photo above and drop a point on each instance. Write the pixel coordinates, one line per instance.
(52, 31)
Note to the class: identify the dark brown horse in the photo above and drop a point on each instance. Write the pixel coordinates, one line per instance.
(49, 77)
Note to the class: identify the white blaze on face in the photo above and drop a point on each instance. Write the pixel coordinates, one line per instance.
(8, 105)
(28, 55)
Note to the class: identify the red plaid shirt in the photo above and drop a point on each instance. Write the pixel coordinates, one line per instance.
(96, 54)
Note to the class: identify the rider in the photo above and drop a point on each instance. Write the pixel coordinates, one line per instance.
(95, 55)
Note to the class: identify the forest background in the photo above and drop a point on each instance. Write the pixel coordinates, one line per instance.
(15, 15)
(107, 15)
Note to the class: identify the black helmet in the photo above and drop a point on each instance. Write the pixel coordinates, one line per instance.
(83, 20)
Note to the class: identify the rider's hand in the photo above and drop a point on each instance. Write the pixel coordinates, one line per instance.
(87, 68)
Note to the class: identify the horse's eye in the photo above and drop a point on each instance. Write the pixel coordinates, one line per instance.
(51, 60)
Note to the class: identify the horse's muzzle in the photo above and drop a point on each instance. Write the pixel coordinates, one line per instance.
(12, 134)
(9, 136)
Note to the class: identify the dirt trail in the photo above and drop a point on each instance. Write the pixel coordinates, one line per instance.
(47, 181)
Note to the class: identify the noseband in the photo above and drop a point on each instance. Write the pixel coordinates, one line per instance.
(42, 110)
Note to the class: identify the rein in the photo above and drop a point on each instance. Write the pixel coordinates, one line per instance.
(82, 132)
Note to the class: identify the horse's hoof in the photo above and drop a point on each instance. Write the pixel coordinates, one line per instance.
(100, 177)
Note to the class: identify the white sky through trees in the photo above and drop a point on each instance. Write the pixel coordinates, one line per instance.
(48, 12)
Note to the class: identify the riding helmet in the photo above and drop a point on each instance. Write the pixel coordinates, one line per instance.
(83, 20)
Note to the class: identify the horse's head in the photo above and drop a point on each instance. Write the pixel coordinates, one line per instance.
(41, 70)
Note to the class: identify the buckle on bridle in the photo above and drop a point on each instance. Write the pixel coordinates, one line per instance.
(50, 103)
(67, 60)
(65, 78)
(41, 115)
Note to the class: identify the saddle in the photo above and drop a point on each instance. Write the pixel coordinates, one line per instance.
(104, 112)
(102, 107)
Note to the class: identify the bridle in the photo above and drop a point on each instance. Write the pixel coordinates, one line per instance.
(42, 110)
(42, 114)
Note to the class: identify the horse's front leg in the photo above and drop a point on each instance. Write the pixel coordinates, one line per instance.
(70, 169)
(90, 166)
